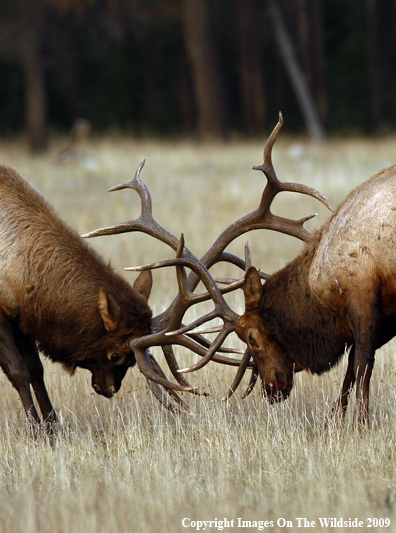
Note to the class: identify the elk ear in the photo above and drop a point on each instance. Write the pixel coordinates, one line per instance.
(252, 288)
(144, 283)
(109, 310)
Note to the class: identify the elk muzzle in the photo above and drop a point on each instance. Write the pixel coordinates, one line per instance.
(277, 388)
(106, 383)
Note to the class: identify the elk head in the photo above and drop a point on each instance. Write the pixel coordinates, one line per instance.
(109, 370)
(275, 367)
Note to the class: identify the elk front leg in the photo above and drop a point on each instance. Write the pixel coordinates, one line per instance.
(14, 367)
(28, 349)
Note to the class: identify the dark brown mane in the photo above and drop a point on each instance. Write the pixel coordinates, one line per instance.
(314, 334)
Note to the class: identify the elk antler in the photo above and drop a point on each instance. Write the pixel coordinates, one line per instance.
(173, 333)
(262, 218)
(167, 328)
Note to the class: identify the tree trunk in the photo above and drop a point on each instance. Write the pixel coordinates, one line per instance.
(374, 65)
(208, 88)
(20, 41)
(35, 98)
(297, 79)
(250, 68)
(303, 36)
(319, 67)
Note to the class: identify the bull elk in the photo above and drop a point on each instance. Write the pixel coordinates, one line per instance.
(59, 296)
(339, 292)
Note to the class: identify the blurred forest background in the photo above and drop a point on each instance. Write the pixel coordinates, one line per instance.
(206, 68)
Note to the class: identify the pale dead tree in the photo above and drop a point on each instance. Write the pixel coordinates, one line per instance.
(296, 75)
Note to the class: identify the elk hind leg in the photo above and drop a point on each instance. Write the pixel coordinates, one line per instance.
(28, 349)
(364, 365)
(15, 369)
(366, 335)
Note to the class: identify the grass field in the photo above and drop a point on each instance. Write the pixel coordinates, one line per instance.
(125, 464)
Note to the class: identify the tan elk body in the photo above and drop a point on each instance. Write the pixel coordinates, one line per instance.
(57, 293)
(340, 291)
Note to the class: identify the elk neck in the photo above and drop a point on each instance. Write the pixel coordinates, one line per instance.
(315, 335)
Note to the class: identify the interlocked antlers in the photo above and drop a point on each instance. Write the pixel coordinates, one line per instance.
(167, 328)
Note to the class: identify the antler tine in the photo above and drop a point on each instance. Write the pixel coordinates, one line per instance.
(248, 257)
(167, 350)
(146, 222)
(185, 408)
(145, 366)
(221, 337)
(188, 341)
(185, 298)
(252, 382)
(138, 185)
(166, 402)
(274, 185)
(267, 165)
(239, 375)
(245, 363)
(197, 347)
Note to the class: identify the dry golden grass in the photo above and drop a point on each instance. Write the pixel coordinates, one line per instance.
(126, 465)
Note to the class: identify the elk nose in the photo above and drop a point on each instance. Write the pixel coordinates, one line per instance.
(96, 388)
(110, 386)
(273, 394)
(108, 393)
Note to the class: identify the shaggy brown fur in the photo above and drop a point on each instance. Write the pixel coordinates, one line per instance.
(56, 291)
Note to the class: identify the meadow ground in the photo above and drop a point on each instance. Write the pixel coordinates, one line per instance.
(126, 465)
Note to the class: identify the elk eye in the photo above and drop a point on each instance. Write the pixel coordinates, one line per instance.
(252, 342)
(115, 357)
